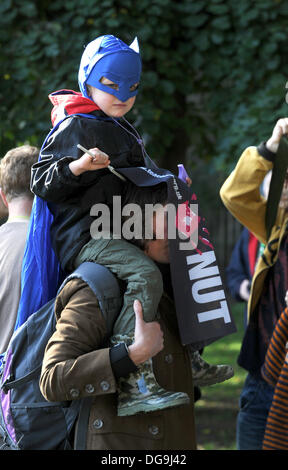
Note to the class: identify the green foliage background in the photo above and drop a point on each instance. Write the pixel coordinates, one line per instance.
(214, 71)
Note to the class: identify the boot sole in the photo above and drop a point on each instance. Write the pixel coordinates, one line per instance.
(152, 404)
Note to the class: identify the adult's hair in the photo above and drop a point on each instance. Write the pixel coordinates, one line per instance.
(142, 195)
(15, 171)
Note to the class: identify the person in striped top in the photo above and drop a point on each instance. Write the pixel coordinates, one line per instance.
(275, 372)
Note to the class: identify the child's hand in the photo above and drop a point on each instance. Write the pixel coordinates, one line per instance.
(280, 129)
(89, 163)
(188, 181)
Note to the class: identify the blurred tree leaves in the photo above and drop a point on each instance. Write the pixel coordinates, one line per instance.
(214, 71)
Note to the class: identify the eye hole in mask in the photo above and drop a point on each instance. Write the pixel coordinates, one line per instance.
(134, 87)
(106, 82)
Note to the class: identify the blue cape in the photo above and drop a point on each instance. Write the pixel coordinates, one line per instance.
(41, 272)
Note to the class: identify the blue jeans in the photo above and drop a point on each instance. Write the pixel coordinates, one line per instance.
(255, 401)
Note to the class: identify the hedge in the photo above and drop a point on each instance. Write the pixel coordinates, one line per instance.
(214, 72)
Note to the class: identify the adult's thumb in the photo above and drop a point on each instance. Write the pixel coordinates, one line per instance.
(138, 310)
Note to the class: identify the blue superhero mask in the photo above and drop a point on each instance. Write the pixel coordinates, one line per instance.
(111, 58)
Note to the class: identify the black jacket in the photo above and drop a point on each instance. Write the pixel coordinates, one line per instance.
(71, 197)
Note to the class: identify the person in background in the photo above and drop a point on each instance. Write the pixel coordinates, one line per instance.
(241, 268)
(3, 212)
(275, 372)
(244, 257)
(241, 195)
(15, 174)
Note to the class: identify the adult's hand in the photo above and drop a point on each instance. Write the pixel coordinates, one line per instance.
(244, 290)
(280, 129)
(148, 337)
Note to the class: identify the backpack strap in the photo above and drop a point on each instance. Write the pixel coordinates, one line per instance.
(11, 384)
(105, 287)
(82, 424)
